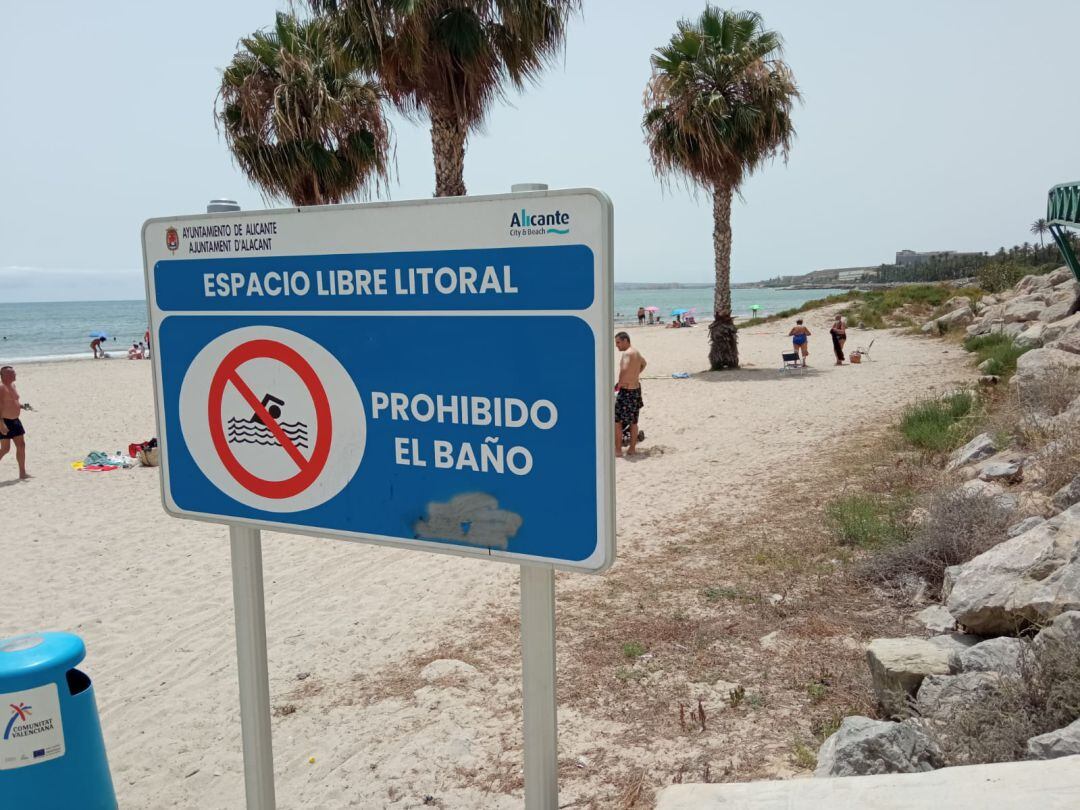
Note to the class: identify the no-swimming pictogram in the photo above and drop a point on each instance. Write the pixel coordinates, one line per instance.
(265, 423)
(272, 419)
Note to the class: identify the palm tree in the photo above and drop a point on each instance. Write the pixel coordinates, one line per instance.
(451, 59)
(1039, 227)
(717, 106)
(299, 120)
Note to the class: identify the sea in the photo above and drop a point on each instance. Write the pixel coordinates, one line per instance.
(39, 332)
(769, 300)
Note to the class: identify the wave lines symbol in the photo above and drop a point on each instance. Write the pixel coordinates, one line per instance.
(244, 431)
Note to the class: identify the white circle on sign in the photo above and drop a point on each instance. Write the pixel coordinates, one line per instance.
(272, 419)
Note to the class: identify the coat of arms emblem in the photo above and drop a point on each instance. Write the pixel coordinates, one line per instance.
(172, 239)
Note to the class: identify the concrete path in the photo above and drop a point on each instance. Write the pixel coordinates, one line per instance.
(1049, 785)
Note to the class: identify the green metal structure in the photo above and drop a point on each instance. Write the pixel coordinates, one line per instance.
(1063, 211)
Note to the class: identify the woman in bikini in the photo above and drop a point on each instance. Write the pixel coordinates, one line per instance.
(800, 339)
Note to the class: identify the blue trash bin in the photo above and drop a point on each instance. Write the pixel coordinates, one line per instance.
(52, 754)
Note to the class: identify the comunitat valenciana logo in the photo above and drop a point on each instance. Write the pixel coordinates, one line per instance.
(522, 223)
(20, 724)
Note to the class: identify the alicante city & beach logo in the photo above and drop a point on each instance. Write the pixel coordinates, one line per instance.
(522, 223)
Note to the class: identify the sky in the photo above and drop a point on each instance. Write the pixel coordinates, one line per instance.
(927, 125)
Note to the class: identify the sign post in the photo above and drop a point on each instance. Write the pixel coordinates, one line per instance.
(250, 616)
(432, 375)
(538, 687)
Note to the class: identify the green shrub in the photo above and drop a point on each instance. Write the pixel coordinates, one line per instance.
(803, 756)
(999, 349)
(633, 649)
(939, 425)
(1000, 276)
(877, 305)
(866, 521)
(816, 303)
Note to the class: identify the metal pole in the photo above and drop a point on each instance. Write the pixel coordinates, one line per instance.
(538, 671)
(251, 663)
(538, 687)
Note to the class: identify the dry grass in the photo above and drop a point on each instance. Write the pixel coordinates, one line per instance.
(996, 728)
(1059, 458)
(662, 668)
(1051, 393)
(958, 527)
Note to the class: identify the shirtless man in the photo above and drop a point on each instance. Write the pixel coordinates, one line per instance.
(628, 403)
(11, 427)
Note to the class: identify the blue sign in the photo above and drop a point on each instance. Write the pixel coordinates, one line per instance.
(451, 399)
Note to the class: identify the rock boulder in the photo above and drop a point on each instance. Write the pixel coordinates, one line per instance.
(1008, 472)
(1059, 329)
(1055, 312)
(863, 746)
(1027, 523)
(1067, 495)
(898, 665)
(1031, 338)
(1024, 308)
(1068, 343)
(1040, 366)
(1063, 631)
(937, 619)
(1030, 578)
(954, 643)
(1034, 282)
(979, 448)
(943, 695)
(1061, 743)
(1003, 654)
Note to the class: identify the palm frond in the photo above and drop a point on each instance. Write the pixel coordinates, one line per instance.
(453, 56)
(720, 98)
(300, 119)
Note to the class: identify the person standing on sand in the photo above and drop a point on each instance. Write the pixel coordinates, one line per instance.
(800, 340)
(838, 330)
(641, 316)
(628, 402)
(96, 347)
(11, 426)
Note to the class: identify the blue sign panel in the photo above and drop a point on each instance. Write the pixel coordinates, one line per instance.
(537, 278)
(453, 399)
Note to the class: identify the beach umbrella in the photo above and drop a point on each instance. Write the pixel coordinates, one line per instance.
(99, 335)
(678, 312)
(652, 309)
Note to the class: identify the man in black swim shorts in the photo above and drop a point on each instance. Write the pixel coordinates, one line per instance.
(628, 403)
(11, 426)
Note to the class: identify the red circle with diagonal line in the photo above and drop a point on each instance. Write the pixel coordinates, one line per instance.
(227, 374)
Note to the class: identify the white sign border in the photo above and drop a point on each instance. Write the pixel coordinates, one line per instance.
(600, 324)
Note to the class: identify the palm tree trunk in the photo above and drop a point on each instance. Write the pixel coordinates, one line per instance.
(723, 337)
(448, 148)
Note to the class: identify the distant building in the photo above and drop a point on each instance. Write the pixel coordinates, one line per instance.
(856, 274)
(907, 258)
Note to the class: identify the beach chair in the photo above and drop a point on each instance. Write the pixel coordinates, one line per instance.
(791, 360)
(865, 350)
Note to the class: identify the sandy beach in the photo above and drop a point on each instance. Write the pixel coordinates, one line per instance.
(151, 595)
